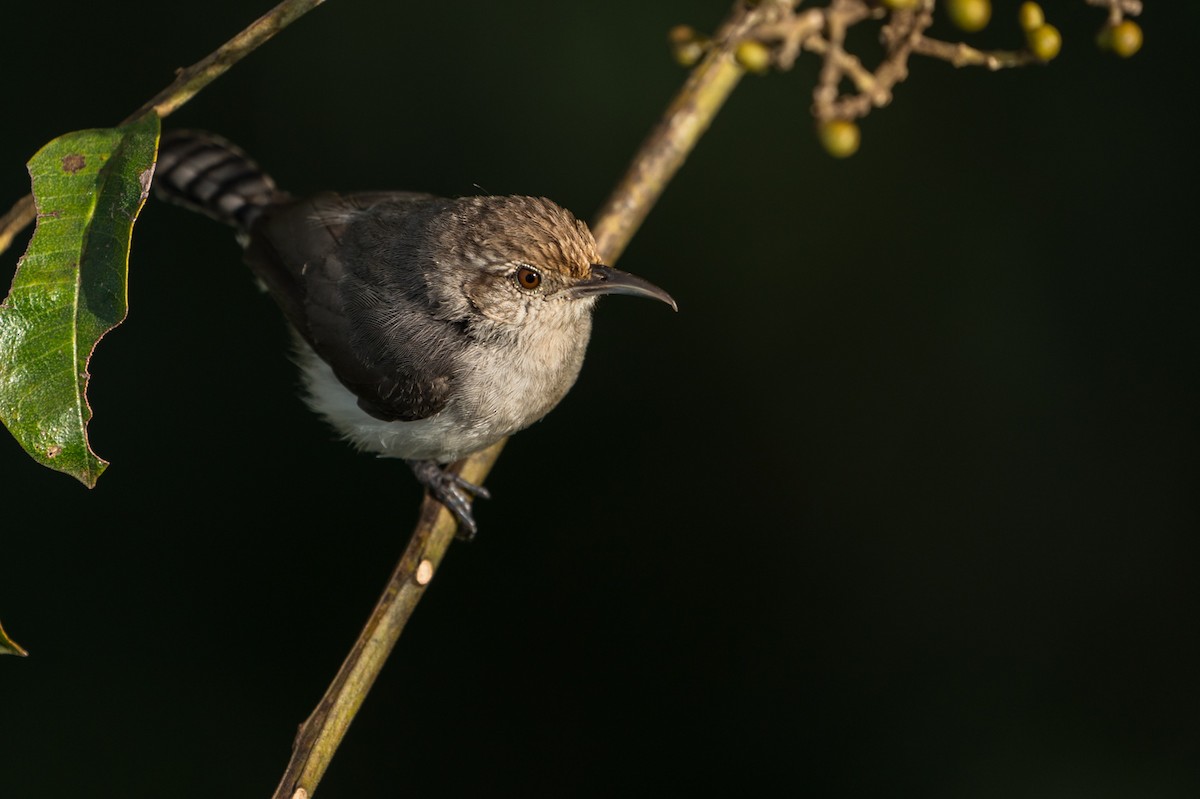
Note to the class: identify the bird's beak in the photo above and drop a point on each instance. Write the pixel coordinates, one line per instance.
(606, 280)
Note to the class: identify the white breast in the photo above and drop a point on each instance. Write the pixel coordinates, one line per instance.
(496, 397)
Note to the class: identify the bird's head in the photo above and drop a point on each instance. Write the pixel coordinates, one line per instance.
(526, 259)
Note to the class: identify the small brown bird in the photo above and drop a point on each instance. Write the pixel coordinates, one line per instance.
(427, 328)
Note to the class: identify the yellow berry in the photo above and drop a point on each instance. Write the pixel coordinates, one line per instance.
(1125, 38)
(1045, 41)
(902, 5)
(753, 56)
(970, 15)
(687, 46)
(840, 137)
(1030, 16)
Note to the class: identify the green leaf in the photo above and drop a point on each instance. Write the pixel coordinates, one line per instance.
(70, 287)
(8, 646)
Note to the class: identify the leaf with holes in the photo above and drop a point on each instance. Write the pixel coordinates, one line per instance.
(70, 287)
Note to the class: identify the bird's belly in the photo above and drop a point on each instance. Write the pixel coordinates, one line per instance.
(442, 437)
(438, 438)
(494, 400)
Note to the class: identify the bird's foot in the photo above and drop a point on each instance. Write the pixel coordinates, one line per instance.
(453, 491)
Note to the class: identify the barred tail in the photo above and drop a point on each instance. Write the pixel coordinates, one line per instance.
(208, 174)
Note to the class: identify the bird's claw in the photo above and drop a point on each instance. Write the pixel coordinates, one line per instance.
(453, 491)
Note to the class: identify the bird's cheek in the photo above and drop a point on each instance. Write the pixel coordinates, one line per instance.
(497, 303)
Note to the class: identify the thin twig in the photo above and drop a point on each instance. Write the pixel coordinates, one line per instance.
(194, 78)
(187, 83)
(1118, 9)
(322, 733)
(18, 217)
(660, 156)
(684, 122)
(960, 54)
(10, 647)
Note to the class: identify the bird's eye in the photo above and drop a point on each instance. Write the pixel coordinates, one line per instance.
(528, 279)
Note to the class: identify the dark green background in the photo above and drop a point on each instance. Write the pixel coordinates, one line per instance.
(903, 502)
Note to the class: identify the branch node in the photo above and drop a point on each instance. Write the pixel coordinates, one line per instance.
(424, 572)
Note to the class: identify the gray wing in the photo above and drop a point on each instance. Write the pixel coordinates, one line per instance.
(348, 312)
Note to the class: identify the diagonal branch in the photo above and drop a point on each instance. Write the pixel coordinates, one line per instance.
(656, 162)
(684, 122)
(191, 80)
(15, 220)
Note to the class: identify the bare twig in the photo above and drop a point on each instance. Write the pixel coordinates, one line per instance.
(15, 220)
(961, 54)
(187, 83)
(823, 31)
(840, 15)
(322, 733)
(685, 121)
(10, 647)
(1118, 9)
(192, 79)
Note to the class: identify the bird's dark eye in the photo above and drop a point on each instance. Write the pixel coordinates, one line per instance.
(528, 279)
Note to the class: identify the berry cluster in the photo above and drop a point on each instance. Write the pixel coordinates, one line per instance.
(785, 32)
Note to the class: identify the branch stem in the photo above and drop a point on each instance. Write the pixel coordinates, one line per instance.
(673, 138)
(322, 733)
(15, 220)
(191, 80)
(656, 162)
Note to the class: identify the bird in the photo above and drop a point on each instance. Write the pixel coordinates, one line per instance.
(426, 328)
